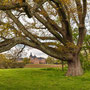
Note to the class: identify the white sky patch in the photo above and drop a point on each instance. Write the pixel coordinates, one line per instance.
(36, 52)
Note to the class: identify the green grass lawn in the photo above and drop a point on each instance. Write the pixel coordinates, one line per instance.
(41, 79)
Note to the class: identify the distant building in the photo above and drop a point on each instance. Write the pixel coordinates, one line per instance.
(37, 60)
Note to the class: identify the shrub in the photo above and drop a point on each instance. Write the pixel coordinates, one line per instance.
(50, 60)
(17, 65)
(26, 60)
(86, 65)
(13, 65)
(85, 62)
(6, 63)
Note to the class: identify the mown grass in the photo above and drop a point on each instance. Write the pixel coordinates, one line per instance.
(41, 79)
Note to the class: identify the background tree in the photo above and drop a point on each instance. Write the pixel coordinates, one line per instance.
(15, 53)
(50, 60)
(3, 61)
(26, 60)
(49, 30)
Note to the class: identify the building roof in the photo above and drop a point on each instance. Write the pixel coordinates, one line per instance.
(34, 56)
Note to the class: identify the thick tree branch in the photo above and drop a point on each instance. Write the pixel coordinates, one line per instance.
(45, 38)
(52, 22)
(38, 44)
(21, 27)
(79, 10)
(50, 29)
(12, 6)
(81, 15)
(9, 43)
(84, 10)
(62, 13)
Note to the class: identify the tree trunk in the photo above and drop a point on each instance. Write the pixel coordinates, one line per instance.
(74, 67)
(62, 65)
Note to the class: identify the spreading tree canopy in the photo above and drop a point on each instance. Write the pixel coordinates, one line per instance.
(47, 25)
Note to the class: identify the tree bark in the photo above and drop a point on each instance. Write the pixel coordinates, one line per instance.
(74, 67)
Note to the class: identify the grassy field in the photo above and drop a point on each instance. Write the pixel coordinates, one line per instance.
(41, 79)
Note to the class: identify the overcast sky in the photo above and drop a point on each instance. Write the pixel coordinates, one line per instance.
(36, 52)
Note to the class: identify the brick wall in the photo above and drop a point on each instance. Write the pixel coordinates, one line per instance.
(37, 61)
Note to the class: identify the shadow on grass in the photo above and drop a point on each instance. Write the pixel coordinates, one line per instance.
(49, 69)
(54, 69)
(57, 71)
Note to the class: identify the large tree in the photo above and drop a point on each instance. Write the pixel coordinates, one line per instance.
(46, 25)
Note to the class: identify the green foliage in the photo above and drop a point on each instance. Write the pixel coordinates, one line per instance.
(57, 61)
(51, 60)
(41, 79)
(85, 62)
(26, 60)
(69, 48)
(6, 63)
